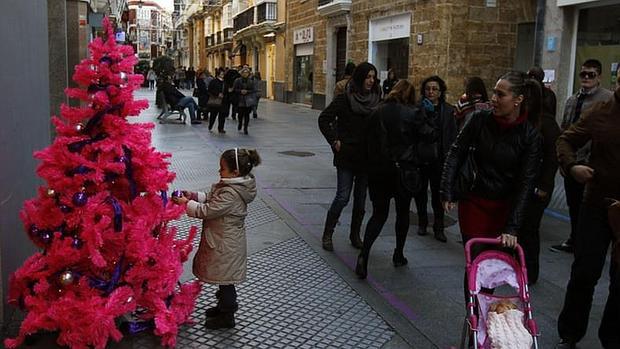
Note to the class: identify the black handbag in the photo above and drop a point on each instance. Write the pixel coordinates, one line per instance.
(466, 177)
(409, 171)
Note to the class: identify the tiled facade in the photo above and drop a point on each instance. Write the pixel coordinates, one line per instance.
(459, 38)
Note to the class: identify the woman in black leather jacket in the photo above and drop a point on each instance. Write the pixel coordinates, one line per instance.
(392, 130)
(343, 124)
(506, 147)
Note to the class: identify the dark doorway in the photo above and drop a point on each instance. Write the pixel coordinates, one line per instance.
(524, 54)
(341, 51)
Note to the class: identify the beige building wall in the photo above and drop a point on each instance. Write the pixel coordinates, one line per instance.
(460, 38)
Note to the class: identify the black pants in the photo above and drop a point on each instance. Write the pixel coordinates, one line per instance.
(529, 236)
(244, 117)
(381, 190)
(227, 299)
(216, 113)
(574, 197)
(591, 243)
(430, 173)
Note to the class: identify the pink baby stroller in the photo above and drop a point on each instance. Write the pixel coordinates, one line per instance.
(491, 269)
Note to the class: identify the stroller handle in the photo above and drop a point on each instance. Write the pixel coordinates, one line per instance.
(490, 241)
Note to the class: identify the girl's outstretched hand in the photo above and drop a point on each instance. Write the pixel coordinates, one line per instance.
(508, 240)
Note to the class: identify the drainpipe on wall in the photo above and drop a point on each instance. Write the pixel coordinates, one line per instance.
(539, 34)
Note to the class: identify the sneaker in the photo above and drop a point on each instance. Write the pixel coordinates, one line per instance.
(565, 246)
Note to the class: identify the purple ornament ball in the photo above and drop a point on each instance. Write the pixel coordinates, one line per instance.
(76, 243)
(122, 159)
(46, 236)
(177, 194)
(80, 199)
(33, 231)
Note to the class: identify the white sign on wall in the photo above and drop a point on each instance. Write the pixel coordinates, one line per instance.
(394, 27)
(573, 2)
(303, 36)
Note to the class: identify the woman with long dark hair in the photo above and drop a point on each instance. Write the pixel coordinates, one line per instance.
(432, 154)
(475, 98)
(505, 146)
(393, 130)
(343, 124)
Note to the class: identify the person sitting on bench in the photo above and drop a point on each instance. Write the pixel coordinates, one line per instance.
(175, 98)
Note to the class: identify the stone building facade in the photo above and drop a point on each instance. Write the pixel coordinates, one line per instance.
(450, 38)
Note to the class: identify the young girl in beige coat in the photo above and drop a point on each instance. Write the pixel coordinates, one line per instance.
(222, 255)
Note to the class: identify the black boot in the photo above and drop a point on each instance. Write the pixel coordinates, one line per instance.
(361, 268)
(440, 235)
(399, 259)
(222, 320)
(328, 231)
(356, 226)
(422, 231)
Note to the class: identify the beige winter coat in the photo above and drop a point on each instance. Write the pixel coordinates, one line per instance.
(222, 254)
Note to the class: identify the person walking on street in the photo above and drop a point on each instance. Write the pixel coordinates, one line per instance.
(343, 124)
(392, 132)
(151, 76)
(491, 168)
(245, 89)
(215, 105)
(543, 188)
(230, 97)
(549, 98)
(432, 155)
(389, 83)
(475, 98)
(222, 255)
(203, 96)
(599, 125)
(342, 84)
(259, 93)
(190, 77)
(589, 93)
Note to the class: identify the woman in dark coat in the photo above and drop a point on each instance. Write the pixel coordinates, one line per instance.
(389, 83)
(393, 131)
(506, 148)
(441, 114)
(216, 93)
(245, 90)
(343, 124)
(203, 96)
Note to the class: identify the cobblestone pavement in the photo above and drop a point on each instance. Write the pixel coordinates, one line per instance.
(299, 296)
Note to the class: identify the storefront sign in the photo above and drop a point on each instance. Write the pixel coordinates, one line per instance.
(388, 28)
(303, 36)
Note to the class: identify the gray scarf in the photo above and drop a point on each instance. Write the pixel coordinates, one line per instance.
(363, 104)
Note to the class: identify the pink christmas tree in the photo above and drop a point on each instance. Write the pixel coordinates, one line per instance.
(108, 257)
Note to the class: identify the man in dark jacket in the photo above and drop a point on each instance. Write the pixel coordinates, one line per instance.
(589, 93)
(175, 98)
(599, 125)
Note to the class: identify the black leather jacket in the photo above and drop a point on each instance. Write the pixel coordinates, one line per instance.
(508, 162)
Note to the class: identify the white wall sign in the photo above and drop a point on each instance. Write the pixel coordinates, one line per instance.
(304, 50)
(388, 28)
(491, 3)
(303, 36)
(573, 2)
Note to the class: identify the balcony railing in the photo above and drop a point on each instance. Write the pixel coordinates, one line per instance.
(267, 11)
(244, 19)
(228, 34)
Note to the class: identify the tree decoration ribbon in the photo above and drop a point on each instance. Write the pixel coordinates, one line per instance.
(129, 173)
(95, 120)
(164, 197)
(110, 285)
(118, 213)
(135, 327)
(79, 145)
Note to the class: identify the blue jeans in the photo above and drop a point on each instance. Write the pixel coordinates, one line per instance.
(349, 181)
(189, 103)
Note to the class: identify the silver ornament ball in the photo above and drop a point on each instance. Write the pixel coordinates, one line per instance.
(66, 278)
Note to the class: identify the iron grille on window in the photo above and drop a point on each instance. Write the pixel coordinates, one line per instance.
(267, 11)
(244, 19)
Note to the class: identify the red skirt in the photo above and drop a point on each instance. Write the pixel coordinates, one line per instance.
(482, 218)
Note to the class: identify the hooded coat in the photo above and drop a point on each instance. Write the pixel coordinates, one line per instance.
(222, 254)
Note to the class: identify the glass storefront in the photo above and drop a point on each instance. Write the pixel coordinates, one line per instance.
(598, 37)
(303, 79)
